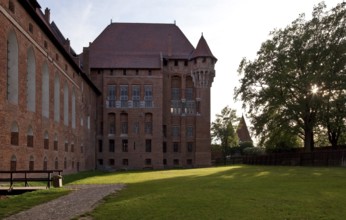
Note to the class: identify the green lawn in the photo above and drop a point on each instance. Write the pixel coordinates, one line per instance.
(232, 192)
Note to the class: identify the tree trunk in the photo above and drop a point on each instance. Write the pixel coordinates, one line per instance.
(309, 140)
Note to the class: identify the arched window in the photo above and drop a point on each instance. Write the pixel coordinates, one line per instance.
(73, 109)
(56, 163)
(55, 142)
(45, 163)
(31, 81)
(66, 104)
(30, 138)
(31, 163)
(57, 98)
(13, 164)
(12, 68)
(45, 90)
(46, 140)
(14, 134)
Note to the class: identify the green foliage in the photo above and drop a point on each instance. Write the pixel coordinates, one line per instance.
(222, 130)
(253, 151)
(298, 77)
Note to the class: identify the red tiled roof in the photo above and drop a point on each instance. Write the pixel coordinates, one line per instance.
(243, 132)
(138, 45)
(202, 49)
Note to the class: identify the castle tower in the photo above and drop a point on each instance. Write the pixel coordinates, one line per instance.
(203, 73)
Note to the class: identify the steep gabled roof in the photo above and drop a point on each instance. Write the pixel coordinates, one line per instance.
(138, 45)
(243, 132)
(202, 49)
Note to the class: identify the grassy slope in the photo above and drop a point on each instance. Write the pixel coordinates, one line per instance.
(236, 192)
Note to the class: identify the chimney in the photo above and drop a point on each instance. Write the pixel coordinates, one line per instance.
(67, 44)
(47, 15)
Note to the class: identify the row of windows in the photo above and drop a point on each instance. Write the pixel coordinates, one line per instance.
(30, 140)
(148, 146)
(148, 124)
(147, 162)
(13, 85)
(124, 102)
(31, 165)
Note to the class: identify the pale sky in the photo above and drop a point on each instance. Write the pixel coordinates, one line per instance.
(233, 28)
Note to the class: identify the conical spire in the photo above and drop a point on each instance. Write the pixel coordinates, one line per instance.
(243, 132)
(202, 49)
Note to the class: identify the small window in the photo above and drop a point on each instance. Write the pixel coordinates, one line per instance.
(82, 149)
(124, 72)
(189, 147)
(149, 72)
(56, 164)
(125, 162)
(111, 162)
(31, 28)
(45, 163)
(66, 146)
(55, 143)
(186, 63)
(164, 161)
(100, 161)
(164, 147)
(57, 57)
(46, 140)
(175, 147)
(165, 62)
(31, 163)
(30, 138)
(14, 134)
(175, 62)
(125, 145)
(137, 71)
(175, 162)
(45, 44)
(147, 161)
(148, 145)
(66, 67)
(189, 161)
(72, 147)
(111, 146)
(100, 146)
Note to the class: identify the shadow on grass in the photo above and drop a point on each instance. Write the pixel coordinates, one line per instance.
(235, 192)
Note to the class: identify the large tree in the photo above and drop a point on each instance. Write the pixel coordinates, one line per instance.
(222, 130)
(286, 85)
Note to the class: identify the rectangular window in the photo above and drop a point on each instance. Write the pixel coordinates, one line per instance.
(30, 141)
(164, 130)
(125, 145)
(100, 161)
(175, 132)
(136, 95)
(189, 131)
(176, 162)
(148, 127)
(111, 98)
(111, 146)
(111, 121)
(111, 162)
(175, 94)
(125, 162)
(100, 146)
(123, 95)
(189, 93)
(46, 143)
(164, 147)
(66, 146)
(189, 161)
(14, 138)
(148, 96)
(72, 147)
(147, 145)
(136, 128)
(147, 161)
(175, 147)
(189, 147)
(55, 145)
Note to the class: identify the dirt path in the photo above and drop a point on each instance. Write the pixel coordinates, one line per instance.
(83, 199)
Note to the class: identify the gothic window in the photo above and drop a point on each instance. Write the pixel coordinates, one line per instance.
(73, 108)
(45, 163)
(45, 90)
(66, 146)
(72, 147)
(13, 164)
(14, 134)
(66, 104)
(55, 142)
(57, 98)
(46, 140)
(31, 163)
(30, 138)
(31, 81)
(12, 68)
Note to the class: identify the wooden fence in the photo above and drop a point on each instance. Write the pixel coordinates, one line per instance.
(316, 158)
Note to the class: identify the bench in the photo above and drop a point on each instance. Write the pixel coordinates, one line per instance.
(25, 176)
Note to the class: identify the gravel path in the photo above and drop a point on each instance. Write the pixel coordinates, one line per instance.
(83, 199)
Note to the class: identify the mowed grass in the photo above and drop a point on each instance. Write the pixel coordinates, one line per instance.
(232, 192)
